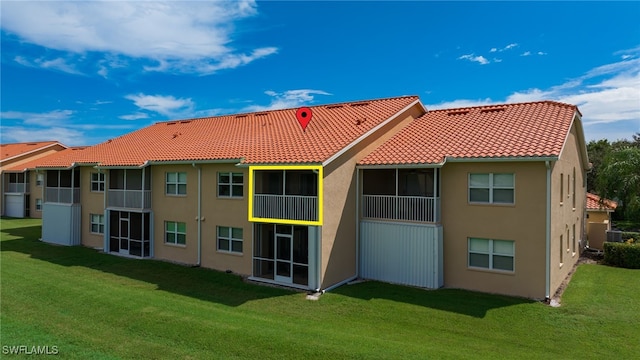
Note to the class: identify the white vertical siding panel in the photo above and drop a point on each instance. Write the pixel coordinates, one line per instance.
(61, 223)
(407, 254)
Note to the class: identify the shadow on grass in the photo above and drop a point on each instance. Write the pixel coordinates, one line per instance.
(200, 283)
(463, 302)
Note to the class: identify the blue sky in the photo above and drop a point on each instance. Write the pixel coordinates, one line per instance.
(84, 72)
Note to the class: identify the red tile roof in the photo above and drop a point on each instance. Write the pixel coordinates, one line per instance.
(8, 151)
(536, 129)
(593, 203)
(262, 137)
(45, 159)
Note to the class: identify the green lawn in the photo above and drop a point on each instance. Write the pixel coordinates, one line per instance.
(92, 305)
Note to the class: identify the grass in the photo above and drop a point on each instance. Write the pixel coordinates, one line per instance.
(97, 306)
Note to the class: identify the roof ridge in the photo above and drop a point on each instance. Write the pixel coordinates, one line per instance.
(553, 102)
(288, 109)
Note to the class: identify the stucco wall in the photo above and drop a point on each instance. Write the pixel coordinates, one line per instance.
(92, 203)
(564, 213)
(36, 192)
(523, 222)
(220, 211)
(178, 208)
(339, 251)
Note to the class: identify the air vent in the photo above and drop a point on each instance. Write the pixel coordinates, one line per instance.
(240, 116)
(261, 114)
(32, 144)
(458, 112)
(359, 104)
(171, 123)
(333, 106)
(491, 110)
(185, 122)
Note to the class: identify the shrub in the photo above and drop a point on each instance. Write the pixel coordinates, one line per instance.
(622, 255)
(626, 235)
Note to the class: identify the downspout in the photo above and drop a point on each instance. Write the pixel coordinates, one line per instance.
(199, 219)
(357, 223)
(547, 286)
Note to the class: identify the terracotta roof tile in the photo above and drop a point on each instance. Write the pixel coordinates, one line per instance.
(593, 203)
(262, 137)
(8, 151)
(536, 129)
(45, 159)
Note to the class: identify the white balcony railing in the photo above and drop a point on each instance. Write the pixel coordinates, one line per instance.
(62, 195)
(411, 208)
(16, 187)
(290, 207)
(134, 199)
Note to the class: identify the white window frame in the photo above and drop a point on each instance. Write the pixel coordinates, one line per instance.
(176, 183)
(230, 239)
(99, 181)
(38, 204)
(491, 253)
(98, 221)
(491, 187)
(230, 184)
(176, 233)
(39, 179)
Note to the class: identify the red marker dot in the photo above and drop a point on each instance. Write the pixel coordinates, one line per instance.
(304, 117)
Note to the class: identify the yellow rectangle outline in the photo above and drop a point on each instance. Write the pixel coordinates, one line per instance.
(287, 167)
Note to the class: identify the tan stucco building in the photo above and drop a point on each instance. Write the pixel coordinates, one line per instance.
(485, 198)
(21, 188)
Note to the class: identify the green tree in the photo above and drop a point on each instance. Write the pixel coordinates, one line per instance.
(619, 178)
(597, 151)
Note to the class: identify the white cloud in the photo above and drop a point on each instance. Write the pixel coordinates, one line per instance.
(526, 53)
(541, 53)
(192, 37)
(41, 119)
(287, 99)
(59, 64)
(165, 105)
(471, 57)
(68, 136)
(134, 116)
(508, 47)
(608, 97)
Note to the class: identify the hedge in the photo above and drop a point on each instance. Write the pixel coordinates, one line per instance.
(622, 255)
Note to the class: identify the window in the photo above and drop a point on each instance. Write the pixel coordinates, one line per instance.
(97, 224)
(573, 248)
(573, 194)
(491, 254)
(175, 232)
(230, 184)
(39, 179)
(561, 188)
(229, 239)
(561, 251)
(176, 183)
(38, 204)
(491, 188)
(97, 182)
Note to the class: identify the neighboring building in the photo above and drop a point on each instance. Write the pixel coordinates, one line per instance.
(19, 187)
(598, 219)
(470, 198)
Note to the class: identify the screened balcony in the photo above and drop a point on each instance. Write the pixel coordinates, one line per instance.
(401, 194)
(16, 182)
(129, 188)
(62, 186)
(286, 194)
